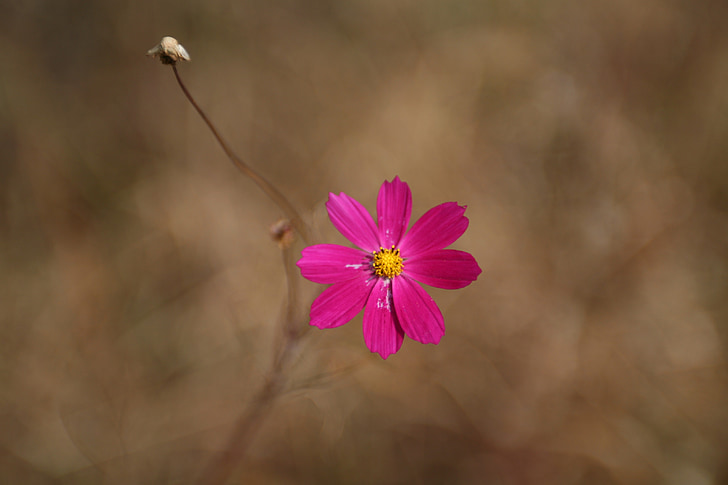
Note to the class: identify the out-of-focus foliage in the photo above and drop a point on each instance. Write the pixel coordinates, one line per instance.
(141, 294)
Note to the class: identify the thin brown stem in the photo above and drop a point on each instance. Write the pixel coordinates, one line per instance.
(270, 190)
(220, 468)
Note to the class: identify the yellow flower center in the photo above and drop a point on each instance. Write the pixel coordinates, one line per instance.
(387, 262)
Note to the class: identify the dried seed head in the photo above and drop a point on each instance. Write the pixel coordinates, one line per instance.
(169, 51)
(282, 233)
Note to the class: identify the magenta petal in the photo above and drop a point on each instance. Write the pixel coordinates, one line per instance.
(382, 332)
(418, 314)
(443, 268)
(340, 303)
(353, 221)
(331, 263)
(394, 207)
(437, 228)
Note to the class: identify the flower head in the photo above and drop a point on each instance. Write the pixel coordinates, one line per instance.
(382, 277)
(169, 51)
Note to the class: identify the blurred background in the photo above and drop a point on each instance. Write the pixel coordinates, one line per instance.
(141, 294)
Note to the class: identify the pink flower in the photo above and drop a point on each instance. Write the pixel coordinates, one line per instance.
(382, 276)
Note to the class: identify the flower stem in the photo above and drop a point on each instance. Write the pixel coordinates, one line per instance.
(219, 469)
(274, 194)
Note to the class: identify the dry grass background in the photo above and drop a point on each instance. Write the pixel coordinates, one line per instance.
(141, 294)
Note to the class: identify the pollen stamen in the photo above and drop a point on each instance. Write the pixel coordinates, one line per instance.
(387, 262)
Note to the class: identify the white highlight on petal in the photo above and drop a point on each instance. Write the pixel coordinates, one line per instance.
(386, 302)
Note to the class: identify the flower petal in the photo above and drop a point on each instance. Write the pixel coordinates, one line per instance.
(394, 207)
(382, 332)
(437, 228)
(418, 314)
(340, 303)
(353, 221)
(331, 263)
(443, 268)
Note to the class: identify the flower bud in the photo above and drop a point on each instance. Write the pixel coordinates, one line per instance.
(169, 51)
(282, 233)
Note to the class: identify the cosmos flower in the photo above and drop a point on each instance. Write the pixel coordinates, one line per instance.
(382, 277)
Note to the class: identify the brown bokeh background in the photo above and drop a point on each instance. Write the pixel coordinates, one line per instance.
(142, 296)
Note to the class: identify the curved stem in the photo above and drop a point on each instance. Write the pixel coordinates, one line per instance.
(260, 181)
